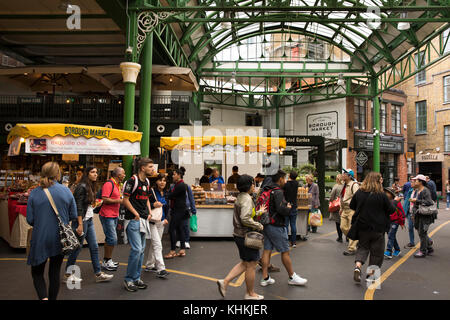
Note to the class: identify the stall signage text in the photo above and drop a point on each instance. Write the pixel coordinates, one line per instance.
(100, 133)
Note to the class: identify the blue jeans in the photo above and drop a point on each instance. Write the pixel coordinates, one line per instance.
(136, 258)
(291, 220)
(89, 235)
(392, 242)
(448, 200)
(275, 238)
(109, 228)
(410, 229)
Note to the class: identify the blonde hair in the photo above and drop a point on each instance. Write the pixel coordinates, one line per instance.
(49, 173)
(310, 177)
(339, 178)
(372, 183)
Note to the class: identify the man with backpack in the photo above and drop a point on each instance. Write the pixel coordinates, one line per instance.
(275, 235)
(136, 193)
(109, 215)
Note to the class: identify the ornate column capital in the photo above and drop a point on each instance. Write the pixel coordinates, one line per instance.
(130, 71)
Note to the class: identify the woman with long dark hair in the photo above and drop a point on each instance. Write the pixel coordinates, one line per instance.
(45, 242)
(84, 195)
(370, 222)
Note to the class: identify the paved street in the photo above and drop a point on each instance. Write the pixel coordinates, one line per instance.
(193, 277)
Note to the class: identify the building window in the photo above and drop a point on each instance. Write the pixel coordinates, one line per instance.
(446, 40)
(446, 89)
(383, 117)
(420, 61)
(316, 50)
(447, 138)
(396, 119)
(421, 117)
(360, 114)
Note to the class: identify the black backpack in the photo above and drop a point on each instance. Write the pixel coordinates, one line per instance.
(99, 196)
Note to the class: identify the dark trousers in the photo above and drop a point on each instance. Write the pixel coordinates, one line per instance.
(422, 225)
(187, 232)
(370, 242)
(176, 229)
(37, 272)
(338, 229)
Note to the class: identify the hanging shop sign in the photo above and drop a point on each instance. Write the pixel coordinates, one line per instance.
(323, 124)
(361, 158)
(392, 144)
(432, 157)
(80, 145)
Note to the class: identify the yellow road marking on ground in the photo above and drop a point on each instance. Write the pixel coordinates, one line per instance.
(371, 290)
(235, 284)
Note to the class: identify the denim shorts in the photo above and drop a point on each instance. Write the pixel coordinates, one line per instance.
(109, 228)
(275, 238)
(246, 254)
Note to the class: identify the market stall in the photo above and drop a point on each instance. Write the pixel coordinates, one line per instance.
(51, 139)
(215, 202)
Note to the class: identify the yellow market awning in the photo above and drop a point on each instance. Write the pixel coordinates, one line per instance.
(250, 144)
(38, 130)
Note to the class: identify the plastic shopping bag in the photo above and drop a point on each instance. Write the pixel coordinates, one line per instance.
(193, 223)
(315, 218)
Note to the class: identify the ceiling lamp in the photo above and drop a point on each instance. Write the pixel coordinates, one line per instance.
(170, 79)
(341, 81)
(403, 25)
(233, 77)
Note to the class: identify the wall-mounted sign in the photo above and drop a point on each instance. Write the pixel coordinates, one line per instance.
(361, 158)
(432, 157)
(391, 144)
(323, 124)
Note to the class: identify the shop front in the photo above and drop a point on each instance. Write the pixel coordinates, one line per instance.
(391, 156)
(66, 144)
(431, 164)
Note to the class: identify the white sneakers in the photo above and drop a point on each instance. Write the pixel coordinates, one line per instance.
(186, 244)
(102, 277)
(257, 297)
(71, 279)
(265, 283)
(295, 281)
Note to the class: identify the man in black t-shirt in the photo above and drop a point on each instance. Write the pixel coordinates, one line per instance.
(138, 212)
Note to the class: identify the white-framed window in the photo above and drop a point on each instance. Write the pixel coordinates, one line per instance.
(446, 89)
(421, 116)
(396, 117)
(420, 60)
(447, 138)
(360, 114)
(446, 40)
(383, 117)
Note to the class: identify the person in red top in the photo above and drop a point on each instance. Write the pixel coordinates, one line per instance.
(397, 219)
(109, 213)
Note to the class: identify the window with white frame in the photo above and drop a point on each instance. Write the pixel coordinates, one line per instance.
(396, 119)
(447, 138)
(360, 114)
(446, 89)
(420, 61)
(383, 117)
(421, 117)
(446, 40)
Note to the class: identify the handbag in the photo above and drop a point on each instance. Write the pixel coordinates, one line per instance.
(156, 212)
(334, 205)
(193, 223)
(315, 219)
(427, 210)
(69, 241)
(254, 240)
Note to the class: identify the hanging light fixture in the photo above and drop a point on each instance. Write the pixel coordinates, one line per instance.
(233, 77)
(341, 81)
(403, 25)
(170, 79)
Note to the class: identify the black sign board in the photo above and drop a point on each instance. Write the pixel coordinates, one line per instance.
(390, 144)
(303, 140)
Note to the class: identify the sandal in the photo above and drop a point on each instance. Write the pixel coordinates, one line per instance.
(181, 254)
(170, 255)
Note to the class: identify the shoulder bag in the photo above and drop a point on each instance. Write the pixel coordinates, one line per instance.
(427, 210)
(69, 241)
(254, 240)
(156, 212)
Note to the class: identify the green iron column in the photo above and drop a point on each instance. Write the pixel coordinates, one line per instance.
(130, 71)
(146, 95)
(376, 118)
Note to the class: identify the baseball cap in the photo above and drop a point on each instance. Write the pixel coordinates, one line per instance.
(420, 177)
(349, 172)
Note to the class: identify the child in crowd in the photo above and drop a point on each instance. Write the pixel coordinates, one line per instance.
(397, 219)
